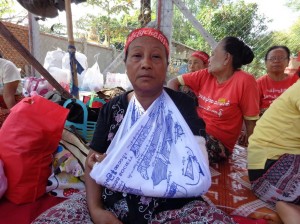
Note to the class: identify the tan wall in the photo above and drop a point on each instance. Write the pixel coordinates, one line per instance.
(50, 43)
(8, 52)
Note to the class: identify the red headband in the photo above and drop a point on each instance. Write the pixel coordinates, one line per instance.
(201, 55)
(146, 31)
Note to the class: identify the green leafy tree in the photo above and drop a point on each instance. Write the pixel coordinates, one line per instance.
(294, 4)
(226, 18)
(107, 24)
(290, 38)
(6, 7)
(8, 12)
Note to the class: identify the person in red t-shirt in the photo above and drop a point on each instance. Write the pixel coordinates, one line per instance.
(276, 81)
(227, 96)
(197, 61)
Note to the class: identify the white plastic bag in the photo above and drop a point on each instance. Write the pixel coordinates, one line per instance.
(117, 80)
(81, 58)
(36, 85)
(54, 59)
(62, 76)
(3, 180)
(93, 79)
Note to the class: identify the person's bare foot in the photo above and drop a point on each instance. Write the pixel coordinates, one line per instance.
(288, 212)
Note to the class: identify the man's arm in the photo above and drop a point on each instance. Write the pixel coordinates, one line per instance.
(9, 91)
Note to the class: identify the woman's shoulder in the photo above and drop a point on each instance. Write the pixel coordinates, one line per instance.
(177, 96)
(261, 78)
(200, 73)
(120, 100)
(243, 75)
(294, 77)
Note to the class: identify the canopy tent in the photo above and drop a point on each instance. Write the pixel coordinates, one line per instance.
(46, 8)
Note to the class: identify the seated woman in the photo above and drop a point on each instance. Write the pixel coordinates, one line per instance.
(276, 81)
(227, 96)
(10, 87)
(274, 155)
(148, 151)
(197, 61)
(150, 126)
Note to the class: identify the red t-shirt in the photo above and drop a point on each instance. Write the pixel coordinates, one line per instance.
(269, 89)
(222, 106)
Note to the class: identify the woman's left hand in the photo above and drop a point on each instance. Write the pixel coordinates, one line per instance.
(94, 158)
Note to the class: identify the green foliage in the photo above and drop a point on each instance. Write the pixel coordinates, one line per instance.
(6, 7)
(224, 19)
(56, 29)
(220, 18)
(290, 38)
(110, 25)
(293, 4)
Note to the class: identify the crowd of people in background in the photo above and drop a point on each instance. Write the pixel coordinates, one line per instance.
(225, 97)
(276, 81)
(274, 135)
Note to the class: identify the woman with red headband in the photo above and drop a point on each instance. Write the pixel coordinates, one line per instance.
(148, 161)
(197, 61)
(130, 170)
(227, 96)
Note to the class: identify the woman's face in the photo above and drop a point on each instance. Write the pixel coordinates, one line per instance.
(146, 64)
(217, 59)
(277, 61)
(195, 64)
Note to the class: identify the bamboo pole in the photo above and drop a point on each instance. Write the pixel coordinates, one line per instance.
(71, 49)
(31, 60)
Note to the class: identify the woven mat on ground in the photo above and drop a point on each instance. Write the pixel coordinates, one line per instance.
(231, 192)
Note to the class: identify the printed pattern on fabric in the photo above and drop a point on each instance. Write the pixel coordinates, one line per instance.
(196, 212)
(128, 207)
(231, 189)
(269, 90)
(118, 114)
(121, 204)
(216, 150)
(154, 153)
(67, 176)
(281, 182)
(73, 211)
(223, 106)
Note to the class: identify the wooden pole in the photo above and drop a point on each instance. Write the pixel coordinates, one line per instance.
(71, 49)
(31, 60)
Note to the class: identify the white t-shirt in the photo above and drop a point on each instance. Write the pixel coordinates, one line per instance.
(9, 73)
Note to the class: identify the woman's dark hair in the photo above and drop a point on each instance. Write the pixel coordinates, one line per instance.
(287, 50)
(241, 53)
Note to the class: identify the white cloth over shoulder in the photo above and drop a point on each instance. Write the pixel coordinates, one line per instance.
(155, 154)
